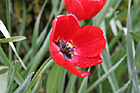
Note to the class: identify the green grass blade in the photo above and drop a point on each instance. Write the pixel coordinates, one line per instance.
(137, 54)
(7, 35)
(61, 7)
(121, 90)
(106, 64)
(83, 86)
(3, 82)
(8, 4)
(61, 81)
(115, 40)
(21, 31)
(37, 85)
(38, 72)
(39, 56)
(103, 77)
(11, 78)
(36, 28)
(4, 60)
(129, 48)
(23, 87)
(53, 78)
(135, 36)
(3, 69)
(71, 83)
(12, 39)
(99, 75)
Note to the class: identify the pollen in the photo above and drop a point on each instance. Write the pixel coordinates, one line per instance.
(66, 48)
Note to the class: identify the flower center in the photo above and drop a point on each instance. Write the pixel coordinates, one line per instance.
(66, 48)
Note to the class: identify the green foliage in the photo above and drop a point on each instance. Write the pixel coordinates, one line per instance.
(119, 72)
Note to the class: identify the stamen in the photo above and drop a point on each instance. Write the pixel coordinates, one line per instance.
(66, 48)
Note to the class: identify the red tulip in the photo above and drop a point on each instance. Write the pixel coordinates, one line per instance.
(84, 9)
(72, 46)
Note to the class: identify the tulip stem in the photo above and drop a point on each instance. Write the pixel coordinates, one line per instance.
(38, 72)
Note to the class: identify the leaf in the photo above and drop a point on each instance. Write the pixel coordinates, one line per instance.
(12, 39)
(115, 40)
(36, 28)
(23, 87)
(3, 69)
(11, 77)
(107, 64)
(7, 35)
(121, 90)
(71, 83)
(135, 35)
(62, 78)
(3, 82)
(103, 77)
(83, 86)
(130, 47)
(37, 85)
(53, 78)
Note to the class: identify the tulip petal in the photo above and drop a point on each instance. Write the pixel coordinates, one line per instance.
(78, 9)
(90, 41)
(56, 55)
(86, 61)
(84, 9)
(71, 68)
(65, 27)
(68, 4)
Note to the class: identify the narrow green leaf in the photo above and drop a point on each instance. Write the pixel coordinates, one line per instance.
(137, 54)
(7, 35)
(8, 19)
(53, 77)
(121, 90)
(11, 78)
(4, 60)
(22, 88)
(61, 7)
(61, 81)
(130, 48)
(103, 77)
(115, 40)
(36, 28)
(3, 69)
(21, 29)
(38, 72)
(37, 85)
(83, 86)
(3, 82)
(12, 39)
(40, 54)
(107, 64)
(135, 36)
(71, 83)
(99, 75)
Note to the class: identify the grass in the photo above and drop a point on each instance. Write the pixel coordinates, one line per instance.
(119, 72)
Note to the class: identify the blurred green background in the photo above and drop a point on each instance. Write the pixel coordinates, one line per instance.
(33, 19)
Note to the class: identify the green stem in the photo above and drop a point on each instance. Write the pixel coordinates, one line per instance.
(38, 72)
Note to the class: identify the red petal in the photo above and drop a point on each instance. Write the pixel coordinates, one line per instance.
(56, 55)
(71, 68)
(64, 27)
(84, 9)
(78, 9)
(68, 4)
(92, 7)
(86, 61)
(90, 41)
